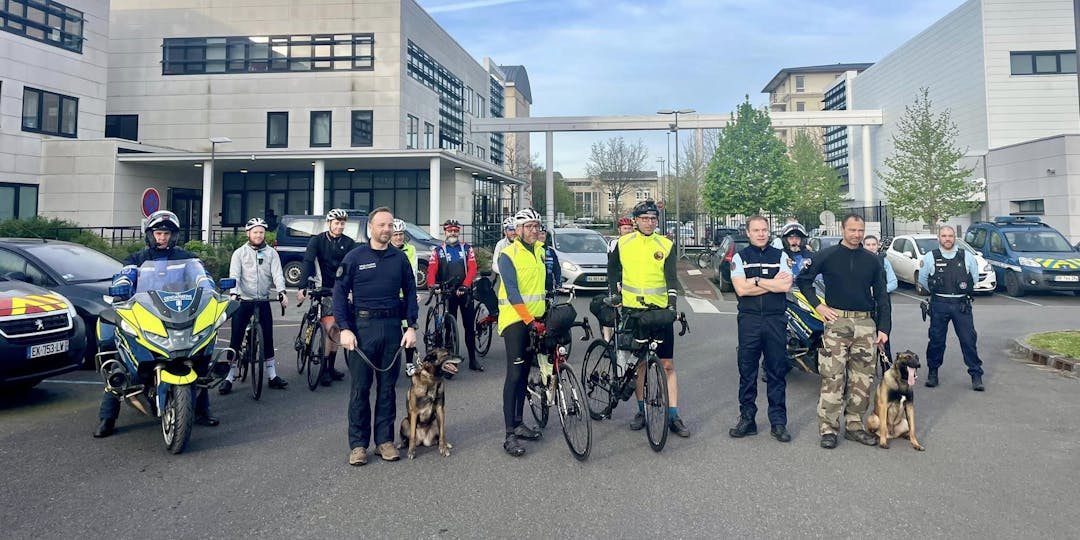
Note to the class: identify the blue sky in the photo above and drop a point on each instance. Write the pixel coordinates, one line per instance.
(613, 57)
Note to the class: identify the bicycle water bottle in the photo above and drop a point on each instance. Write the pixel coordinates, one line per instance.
(546, 367)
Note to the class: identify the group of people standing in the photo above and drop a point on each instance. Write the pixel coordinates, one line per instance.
(858, 320)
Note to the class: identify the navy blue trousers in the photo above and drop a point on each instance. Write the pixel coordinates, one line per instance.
(763, 335)
(964, 324)
(380, 340)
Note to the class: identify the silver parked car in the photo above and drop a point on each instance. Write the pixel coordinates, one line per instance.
(583, 254)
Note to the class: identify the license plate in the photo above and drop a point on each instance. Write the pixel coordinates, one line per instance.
(46, 349)
(593, 279)
(1073, 279)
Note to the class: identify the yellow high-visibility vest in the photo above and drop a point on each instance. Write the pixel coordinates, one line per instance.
(643, 259)
(531, 271)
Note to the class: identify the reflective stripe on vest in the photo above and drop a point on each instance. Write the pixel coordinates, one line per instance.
(531, 272)
(643, 259)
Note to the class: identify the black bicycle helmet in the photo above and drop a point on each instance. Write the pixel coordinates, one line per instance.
(646, 207)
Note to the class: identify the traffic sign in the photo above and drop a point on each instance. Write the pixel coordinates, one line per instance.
(151, 201)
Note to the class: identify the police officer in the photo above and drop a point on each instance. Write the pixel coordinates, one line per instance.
(950, 274)
(642, 265)
(160, 232)
(521, 303)
(858, 318)
(453, 266)
(762, 275)
(793, 238)
(383, 290)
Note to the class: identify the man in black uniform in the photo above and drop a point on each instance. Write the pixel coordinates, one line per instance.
(328, 249)
(762, 277)
(383, 291)
(160, 234)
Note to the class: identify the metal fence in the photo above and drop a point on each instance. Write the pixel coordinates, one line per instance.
(699, 230)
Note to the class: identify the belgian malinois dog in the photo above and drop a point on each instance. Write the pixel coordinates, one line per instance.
(893, 414)
(425, 421)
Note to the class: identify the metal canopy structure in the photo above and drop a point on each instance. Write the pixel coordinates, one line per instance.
(656, 122)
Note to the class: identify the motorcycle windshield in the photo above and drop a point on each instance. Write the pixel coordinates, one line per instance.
(172, 276)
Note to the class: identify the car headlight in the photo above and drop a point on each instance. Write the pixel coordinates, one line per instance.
(986, 268)
(1029, 262)
(568, 266)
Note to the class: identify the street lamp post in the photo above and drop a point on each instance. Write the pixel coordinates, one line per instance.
(208, 186)
(678, 215)
(661, 161)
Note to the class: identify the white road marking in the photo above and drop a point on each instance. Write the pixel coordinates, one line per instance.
(58, 381)
(1018, 300)
(701, 306)
(693, 272)
(919, 298)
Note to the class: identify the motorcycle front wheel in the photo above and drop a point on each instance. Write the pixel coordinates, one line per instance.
(177, 417)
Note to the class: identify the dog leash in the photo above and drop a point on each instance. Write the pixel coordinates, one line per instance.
(360, 353)
(884, 361)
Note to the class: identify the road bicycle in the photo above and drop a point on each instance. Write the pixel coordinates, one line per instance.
(486, 317)
(440, 326)
(610, 369)
(251, 359)
(310, 343)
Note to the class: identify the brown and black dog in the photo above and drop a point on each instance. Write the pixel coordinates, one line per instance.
(894, 406)
(425, 421)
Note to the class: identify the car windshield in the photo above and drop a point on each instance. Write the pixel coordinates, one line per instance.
(172, 276)
(417, 233)
(309, 226)
(930, 244)
(569, 242)
(76, 263)
(1041, 240)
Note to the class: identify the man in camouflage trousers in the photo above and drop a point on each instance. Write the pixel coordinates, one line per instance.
(858, 319)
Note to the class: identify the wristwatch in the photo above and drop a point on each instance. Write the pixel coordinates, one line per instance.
(757, 282)
(414, 326)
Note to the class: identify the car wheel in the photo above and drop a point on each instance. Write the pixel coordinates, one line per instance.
(725, 283)
(919, 289)
(1013, 287)
(292, 272)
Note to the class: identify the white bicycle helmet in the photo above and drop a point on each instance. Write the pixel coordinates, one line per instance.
(336, 214)
(399, 225)
(526, 215)
(255, 222)
(508, 223)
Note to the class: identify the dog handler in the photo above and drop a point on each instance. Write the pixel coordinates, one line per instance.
(950, 279)
(854, 285)
(762, 277)
(383, 291)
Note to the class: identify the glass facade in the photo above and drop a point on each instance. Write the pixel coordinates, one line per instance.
(45, 21)
(450, 90)
(497, 111)
(836, 137)
(262, 54)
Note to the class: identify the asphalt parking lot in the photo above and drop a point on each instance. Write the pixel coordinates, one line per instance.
(1000, 464)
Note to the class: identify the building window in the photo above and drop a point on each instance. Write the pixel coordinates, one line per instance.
(122, 126)
(18, 201)
(414, 132)
(277, 130)
(261, 54)
(480, 106)
(429, 136)
(1030, 207)
(1042, 62)
(361, 128)
(469, 102)
(45, 21)
(451, 91)
(49, 113)
(481, 152)
(320, 129)
(800, 106)
(800, 83)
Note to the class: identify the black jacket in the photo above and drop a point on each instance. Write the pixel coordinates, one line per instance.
(854, 281)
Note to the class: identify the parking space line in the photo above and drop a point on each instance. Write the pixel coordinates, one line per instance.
(1018, 300)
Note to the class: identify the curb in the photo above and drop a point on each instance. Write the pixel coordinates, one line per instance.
(1046, 358)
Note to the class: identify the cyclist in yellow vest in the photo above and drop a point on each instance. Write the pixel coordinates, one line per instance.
(397, 239)
(642, 265)
(521, 303)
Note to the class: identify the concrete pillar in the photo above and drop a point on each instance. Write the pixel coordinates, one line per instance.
(549, 151)
(867, 169)
(207, 193)
(435, 198)
(319, 186)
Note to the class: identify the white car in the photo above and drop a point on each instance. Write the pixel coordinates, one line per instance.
(906, 253)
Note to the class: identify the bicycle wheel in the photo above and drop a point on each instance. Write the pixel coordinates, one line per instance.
(704, 260)
(656, 403)
(243, 357)
(484, 330)
(536, 393)
(301, 345)
(573, 413)
(451, 340)
(431, 333)
(597, 377)
(316, 355)
(258, 361)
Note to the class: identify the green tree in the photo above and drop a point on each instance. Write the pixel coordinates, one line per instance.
(818, 183)
(564, 198)
(617, 167)
(750, 169)
(923, 178)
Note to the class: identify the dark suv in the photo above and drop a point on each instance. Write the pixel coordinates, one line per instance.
(294, 232)
(1027, 254)
(729, 246)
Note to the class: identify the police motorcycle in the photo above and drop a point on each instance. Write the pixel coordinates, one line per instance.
(805, 328)
(165, 343)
